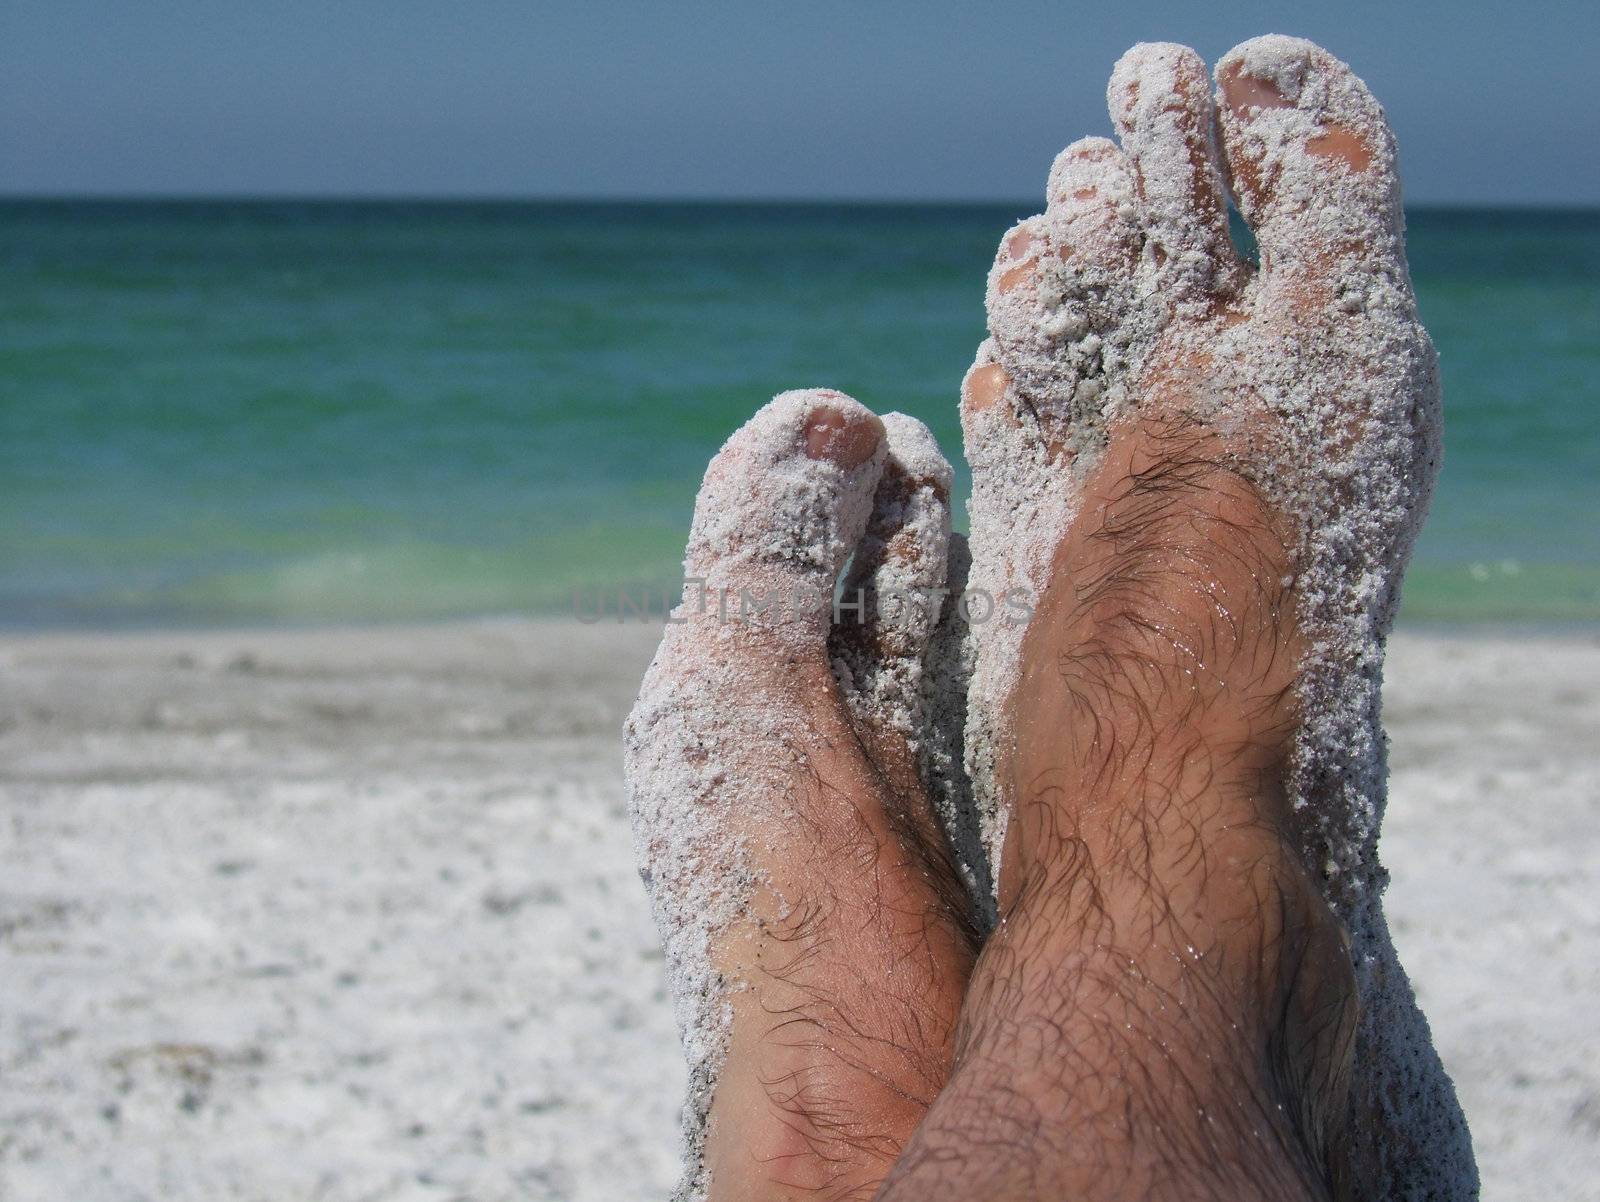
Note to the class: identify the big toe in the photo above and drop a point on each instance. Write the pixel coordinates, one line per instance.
(785, 501)
(1311, 156)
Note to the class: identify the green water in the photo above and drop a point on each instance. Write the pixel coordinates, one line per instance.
(298, 412)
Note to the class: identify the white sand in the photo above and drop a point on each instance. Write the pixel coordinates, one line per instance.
(353, 915)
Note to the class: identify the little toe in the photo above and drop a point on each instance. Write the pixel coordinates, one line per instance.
(1160, 102)
(1312, 161)
(785, 501)
(999, 420)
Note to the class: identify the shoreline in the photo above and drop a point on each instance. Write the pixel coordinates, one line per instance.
(351, 911)
(1535, 629)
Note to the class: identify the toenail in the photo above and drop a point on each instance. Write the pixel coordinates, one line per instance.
(831, 435)
(985, 386)
(1015, 276)
(1244, 92)
(1016, 247)
(1341, 143)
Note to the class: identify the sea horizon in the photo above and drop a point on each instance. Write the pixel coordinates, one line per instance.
(301, 410)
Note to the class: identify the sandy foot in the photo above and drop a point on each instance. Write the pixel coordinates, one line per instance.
(1124, 303)
(781, 822)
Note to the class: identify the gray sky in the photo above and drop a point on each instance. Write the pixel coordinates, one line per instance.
(1494, 102)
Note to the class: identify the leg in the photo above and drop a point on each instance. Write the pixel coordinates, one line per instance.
(1168, 1007)
(816, 931)
(1211, 478)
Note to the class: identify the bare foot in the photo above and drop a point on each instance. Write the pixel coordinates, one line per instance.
(1210, 477)
(818, 937)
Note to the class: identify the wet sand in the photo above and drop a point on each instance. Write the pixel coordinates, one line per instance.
(351, 914)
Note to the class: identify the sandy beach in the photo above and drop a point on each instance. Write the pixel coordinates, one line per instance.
(352, 914)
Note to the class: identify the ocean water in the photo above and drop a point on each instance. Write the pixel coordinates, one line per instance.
(295, 412)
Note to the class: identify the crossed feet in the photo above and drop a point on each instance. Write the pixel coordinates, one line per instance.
(1195, 484)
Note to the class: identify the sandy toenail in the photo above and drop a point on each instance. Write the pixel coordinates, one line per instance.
(985, 386)
(1015, 276)
(831, 435)
(1340, 143)
(1246, 92)
(1017, 247)
(1091, 153)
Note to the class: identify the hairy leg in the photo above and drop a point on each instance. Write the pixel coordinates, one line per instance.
(1167, 1007)
(816, 931)
(1211, 475)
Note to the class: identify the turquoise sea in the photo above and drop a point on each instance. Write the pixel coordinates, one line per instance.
(268, 412)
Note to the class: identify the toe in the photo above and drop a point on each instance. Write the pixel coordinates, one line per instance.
(1087, 227)
(893, 594)
(1092, 208)
(1160, 101)
(785, 501)
(1058, 292)
(882, 643)
(1312, 160)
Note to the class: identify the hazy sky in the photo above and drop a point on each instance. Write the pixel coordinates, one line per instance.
(1493, 101)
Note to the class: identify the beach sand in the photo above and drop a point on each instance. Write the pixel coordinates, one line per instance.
(352, 914)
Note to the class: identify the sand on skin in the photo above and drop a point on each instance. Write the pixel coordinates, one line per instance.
(353, 915)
